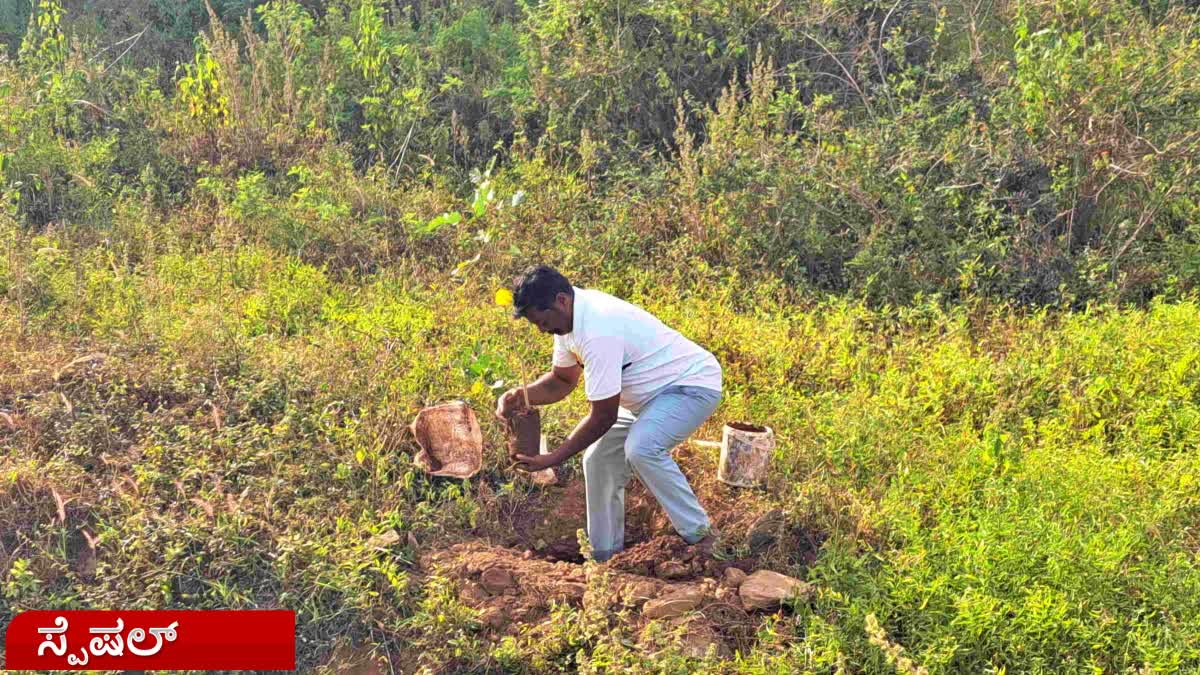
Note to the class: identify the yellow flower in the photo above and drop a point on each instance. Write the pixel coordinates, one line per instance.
(477, 388)
(504, 297)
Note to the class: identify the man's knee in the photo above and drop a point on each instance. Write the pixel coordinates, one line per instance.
(591, 462)
(639, 451)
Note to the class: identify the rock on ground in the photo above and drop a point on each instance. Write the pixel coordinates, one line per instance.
(672, 569)
(767, 590)
(674, 604)
(733, 577)
(496, 579)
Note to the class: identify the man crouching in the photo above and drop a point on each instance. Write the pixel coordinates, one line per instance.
(649, 388)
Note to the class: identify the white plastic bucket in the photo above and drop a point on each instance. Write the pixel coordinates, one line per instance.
(746, 451)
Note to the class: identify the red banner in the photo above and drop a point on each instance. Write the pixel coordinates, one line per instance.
(152, 640)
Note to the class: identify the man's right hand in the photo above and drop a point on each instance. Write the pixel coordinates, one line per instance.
(509, 402)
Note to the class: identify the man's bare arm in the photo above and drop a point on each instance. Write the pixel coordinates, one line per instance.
(552, 387)
(555, 385)
(599, 420)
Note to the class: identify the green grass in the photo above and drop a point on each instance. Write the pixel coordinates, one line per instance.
(1003, 491)
(952, 263)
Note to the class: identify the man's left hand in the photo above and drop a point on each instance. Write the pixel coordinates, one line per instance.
(534, 463)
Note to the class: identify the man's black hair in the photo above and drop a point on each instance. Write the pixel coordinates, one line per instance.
(537, 288)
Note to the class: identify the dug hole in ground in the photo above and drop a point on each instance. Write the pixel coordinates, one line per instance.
(524, 556)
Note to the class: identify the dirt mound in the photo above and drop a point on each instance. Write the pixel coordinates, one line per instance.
(545, 521)
(735, 513)
(668, 557)
(513, 593)
(547, 524)
(511, 588)
(525, 558)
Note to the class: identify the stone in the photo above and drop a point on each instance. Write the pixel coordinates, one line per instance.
(472, 594)
(523, 613)
(496, 579)
(733, 577)
(571, 592)
(675, 604)
(384, 539)
(494, 617)
(765, 530)
(638, 592)
(671, 569)
(767, 590)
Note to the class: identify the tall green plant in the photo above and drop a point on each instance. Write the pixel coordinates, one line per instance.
(201, 91)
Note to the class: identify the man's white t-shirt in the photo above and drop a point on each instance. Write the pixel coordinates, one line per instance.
(625, 349)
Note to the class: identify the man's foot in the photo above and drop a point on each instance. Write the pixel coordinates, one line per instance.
(706, 546)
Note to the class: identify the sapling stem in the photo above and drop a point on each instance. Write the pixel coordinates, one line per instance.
(524, 381)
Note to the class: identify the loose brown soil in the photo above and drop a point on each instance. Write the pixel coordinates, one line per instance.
(525, 432)
(745, 426)
(525, 556)
(515, 592)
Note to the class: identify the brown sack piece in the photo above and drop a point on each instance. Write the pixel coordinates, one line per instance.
(450, 440)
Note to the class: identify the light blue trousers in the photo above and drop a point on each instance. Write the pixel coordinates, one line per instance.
(643, 443)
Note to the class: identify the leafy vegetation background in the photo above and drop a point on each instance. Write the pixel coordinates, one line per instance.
(948, 250)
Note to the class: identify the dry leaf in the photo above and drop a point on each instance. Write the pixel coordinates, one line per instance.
(132, 483)
(204, 505)
(62, 506)
(82, 359)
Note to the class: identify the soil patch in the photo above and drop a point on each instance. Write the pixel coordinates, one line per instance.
(525, 431)
(546, 521)
(526, 558)
(514, 594)
(669, 557)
